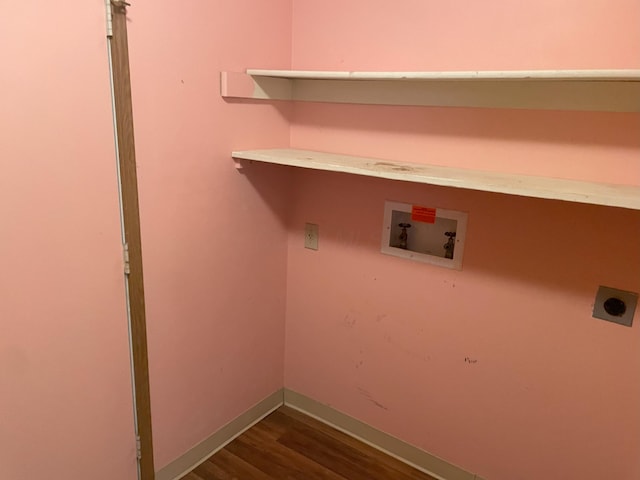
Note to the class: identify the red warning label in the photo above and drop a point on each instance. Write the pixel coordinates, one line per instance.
(423, 214)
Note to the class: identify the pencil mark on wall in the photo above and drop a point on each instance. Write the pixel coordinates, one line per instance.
(470, 360)
(361, 361)
(369, 398)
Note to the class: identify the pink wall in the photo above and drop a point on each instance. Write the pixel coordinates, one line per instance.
(554, 392)
(214, 239)
(463, 35)
(65, 388)
(552, 388)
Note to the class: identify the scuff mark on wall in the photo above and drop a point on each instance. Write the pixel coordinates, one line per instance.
(381, 317)
(349, 320)
(410, 353)
(369, 398)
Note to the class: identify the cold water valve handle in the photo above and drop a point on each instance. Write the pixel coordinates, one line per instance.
(450, 245)
(403, 235)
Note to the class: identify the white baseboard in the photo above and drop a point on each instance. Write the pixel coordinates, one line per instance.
(409, 454)
(205, 449)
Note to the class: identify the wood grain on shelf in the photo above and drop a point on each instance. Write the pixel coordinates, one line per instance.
(625, 196)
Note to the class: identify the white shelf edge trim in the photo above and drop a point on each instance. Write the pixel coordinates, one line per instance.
(624, 196)
(569, 75)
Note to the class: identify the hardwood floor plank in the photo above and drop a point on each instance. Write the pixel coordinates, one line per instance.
(271, 426)
(342, 459)
(277, 460)
(224, 465)
(294, 417)
(192, 476)
(288, 445)
(348, 464)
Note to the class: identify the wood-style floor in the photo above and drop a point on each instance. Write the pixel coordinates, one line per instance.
(288, 445)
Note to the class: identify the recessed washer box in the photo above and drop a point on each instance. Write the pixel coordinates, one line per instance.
(424, 234)
(615, 305)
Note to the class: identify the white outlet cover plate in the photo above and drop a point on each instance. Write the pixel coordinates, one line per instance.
(311, 234)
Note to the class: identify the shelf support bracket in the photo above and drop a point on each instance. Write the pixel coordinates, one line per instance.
(241, 85)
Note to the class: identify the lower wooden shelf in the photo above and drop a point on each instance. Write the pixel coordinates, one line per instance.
(624, 196)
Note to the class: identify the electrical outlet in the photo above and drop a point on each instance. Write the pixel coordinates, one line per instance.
(311, 236)
(615, 305)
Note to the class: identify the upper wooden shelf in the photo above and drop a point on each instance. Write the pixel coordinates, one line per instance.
(625, 196)
(591, 90)
(529, 75)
